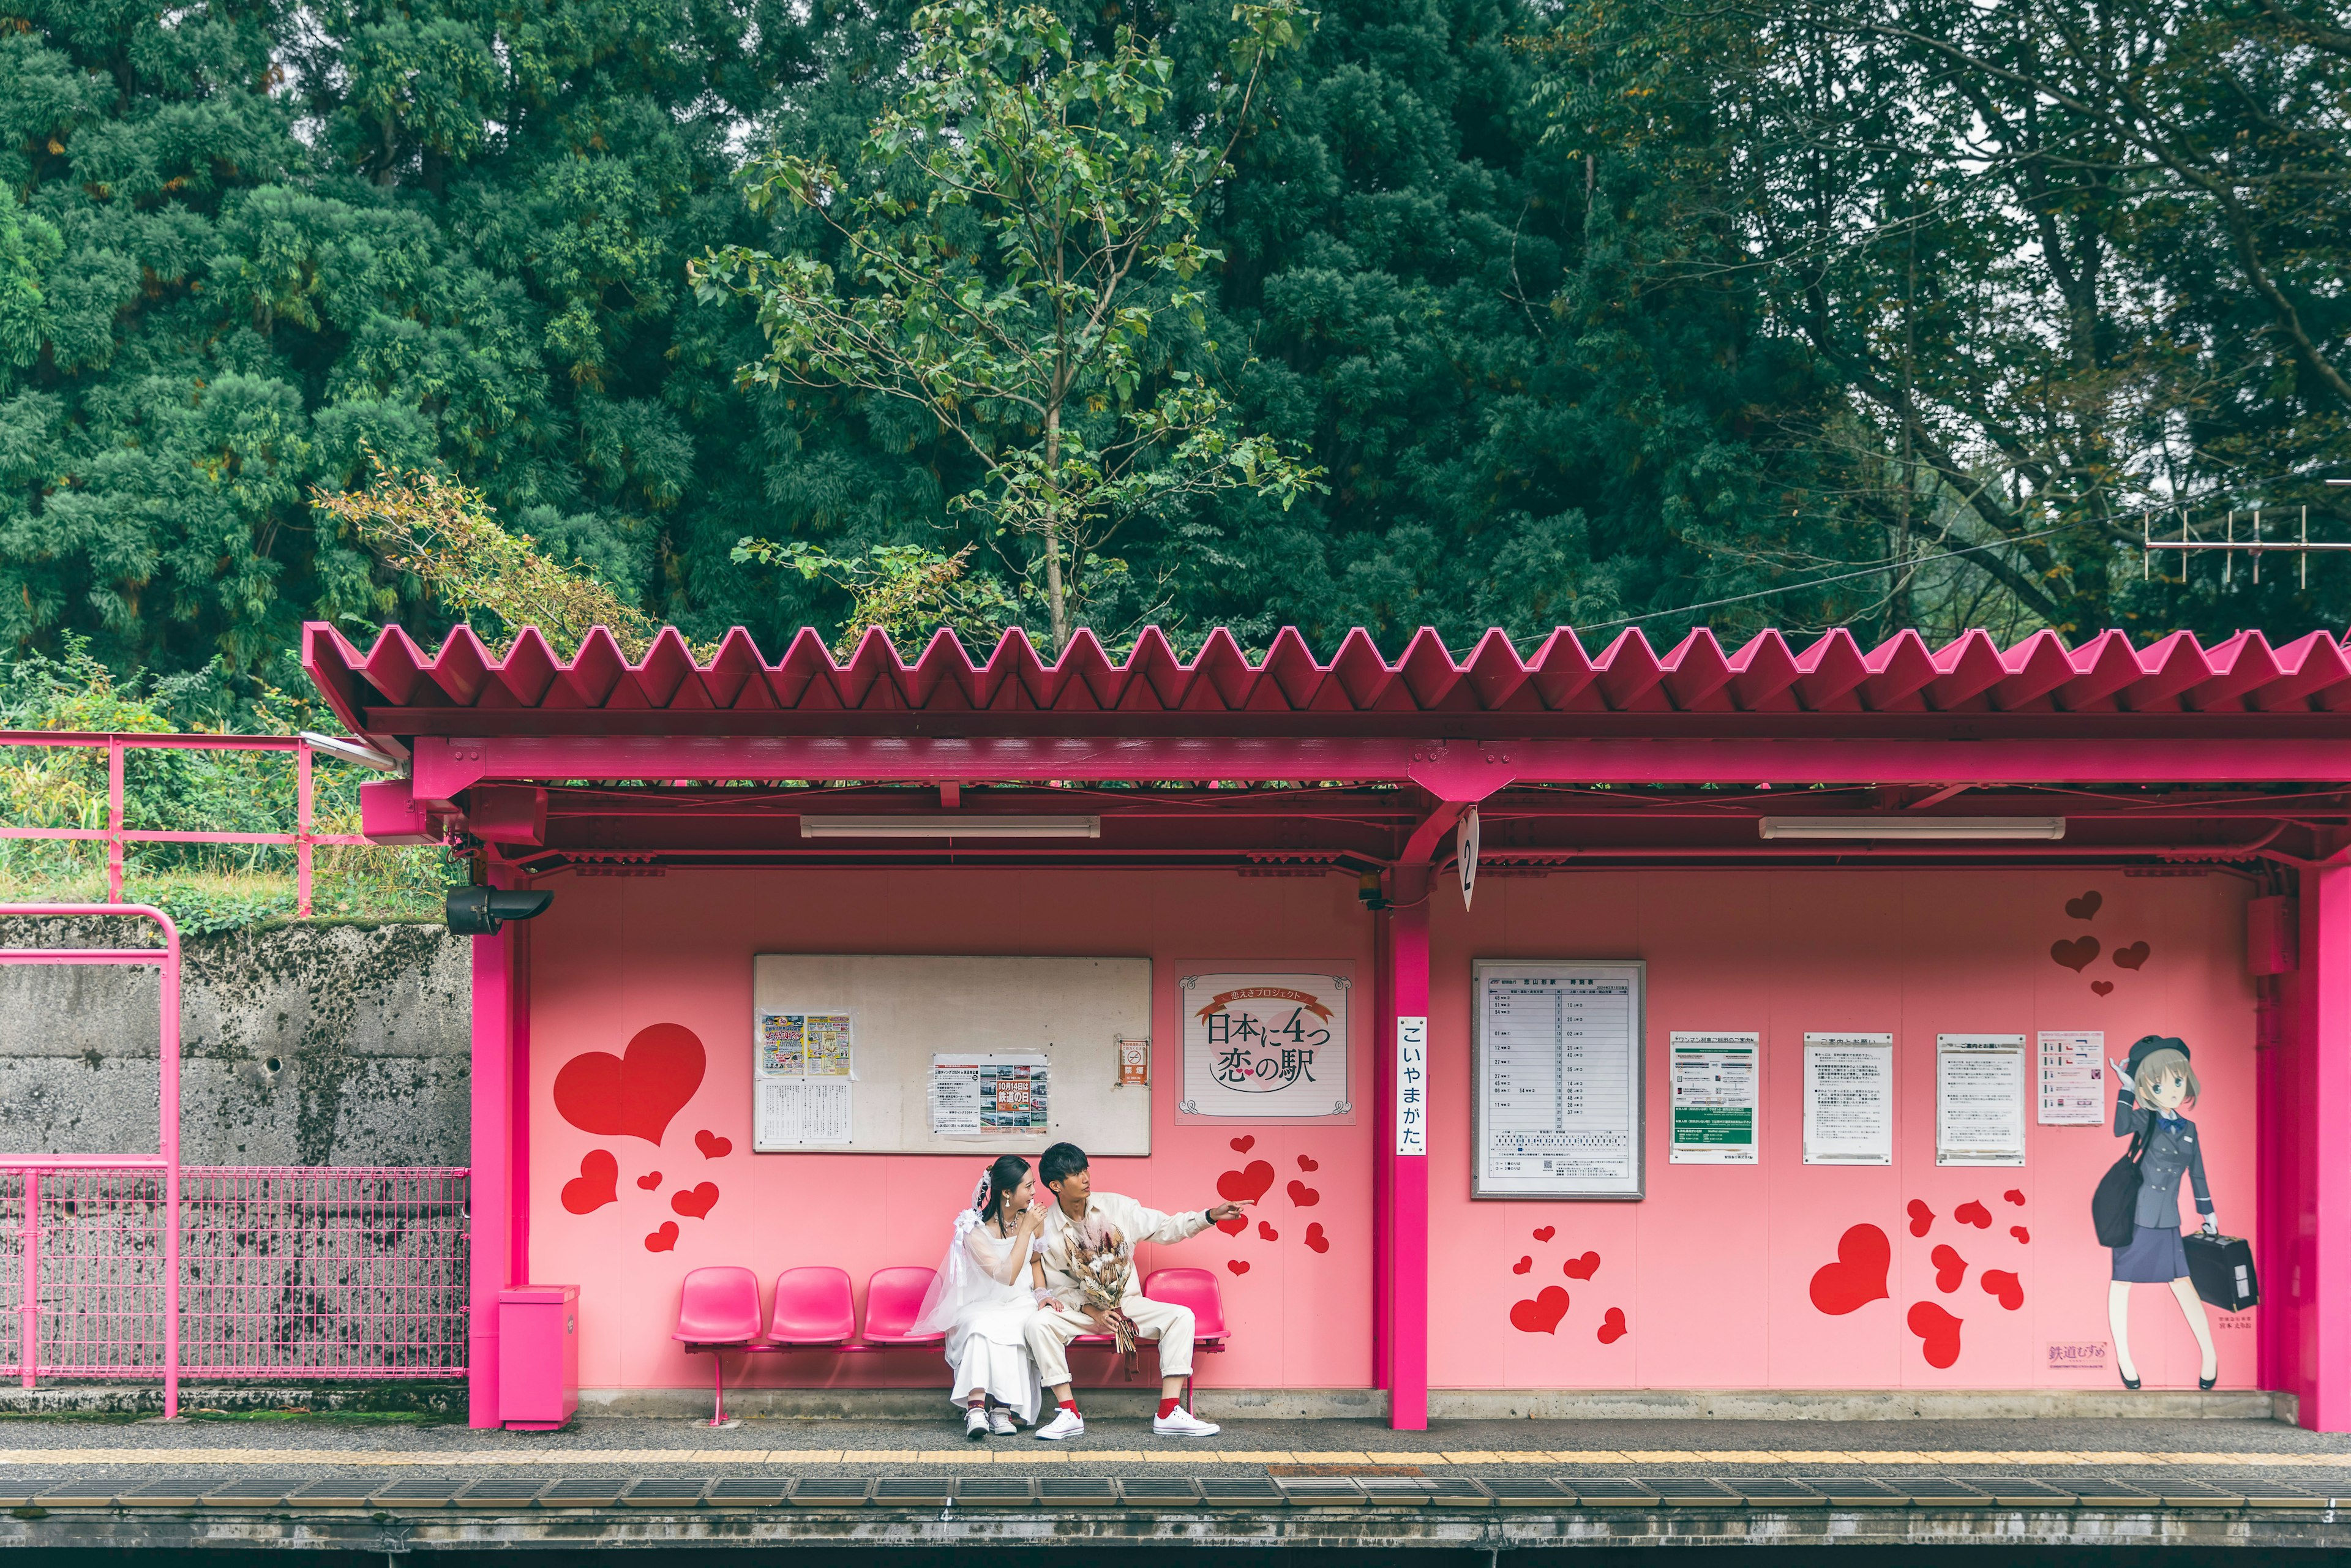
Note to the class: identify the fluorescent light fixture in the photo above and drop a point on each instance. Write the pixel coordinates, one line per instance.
(949, 825)
(351, 751)
(1891, 827)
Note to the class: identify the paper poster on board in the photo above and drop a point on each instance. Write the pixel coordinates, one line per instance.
(1557, 1079)
(802, 1069)
(1848, 1099)
(1716, 1103)
(1000, 1095)
(1265, 1045)
(2073, 1078)
(1979, 1099)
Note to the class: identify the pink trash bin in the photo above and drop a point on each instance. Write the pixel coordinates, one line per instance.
(538, 1356)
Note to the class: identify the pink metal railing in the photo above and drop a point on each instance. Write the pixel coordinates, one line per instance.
(116, 833)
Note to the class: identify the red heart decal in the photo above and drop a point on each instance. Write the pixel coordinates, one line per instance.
(2004, 1285)
(1922, 1219)
(1309, 1163)
(1304, 1196)
(597, 1184)
(1522, 1265)
(2023, 1236)
(650, 1180)
(1612, 1326)
(1546, 1233)
(663, 1239)
(2083, 907)
(2102, 987)
(1949, 1268)
(1245, 1143)
(713, 1146)
(1267, 1231)
(2014, 1194)
(634, 1094)
(1939, 1328)
(2132, 957)
(1316, 1239)
(1237, 1265)
(1235, 1226)
(697, 1203)
(1247, 1185)
(1581, 1268)
(1540, 1315)
(1858, 1276)
(1973, 1213)
(2075, 955)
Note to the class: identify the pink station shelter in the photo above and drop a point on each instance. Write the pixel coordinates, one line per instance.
(1904, 841)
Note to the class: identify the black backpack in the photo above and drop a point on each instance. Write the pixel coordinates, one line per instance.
(2113, 1208)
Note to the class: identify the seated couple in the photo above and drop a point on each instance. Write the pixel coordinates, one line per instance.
(1022, 1278)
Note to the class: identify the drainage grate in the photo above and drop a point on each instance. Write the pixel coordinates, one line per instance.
(1770, 1492)
(83, 1491)
(584, 1492)
(1688, 1491)
(2272, 1494)
(500, 1493)
(1395, 1491)
(177, 1491)
(746, 1492)
(2182, 1492)
(424, 1491)
(1455, 1491)
(1857, 1491)
(1219, 1491)
(831, 1492)
(994, 1492)
(347, 1492)
(251, 1492)
(1941, 1491)
(665, 1492)
(1078, 1491)
(2101, 1492)
(2019, 1491)
(1605, 1492)
(1532, 1491)
(1163, 1492)
(1319, 1491)
(912, 1491)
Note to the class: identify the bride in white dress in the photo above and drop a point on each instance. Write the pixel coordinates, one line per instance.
(983, 1296)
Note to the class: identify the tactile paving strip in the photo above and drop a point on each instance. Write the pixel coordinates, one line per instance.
(831, 1492)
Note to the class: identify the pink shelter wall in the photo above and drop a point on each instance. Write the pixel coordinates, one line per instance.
(614, 957)
(1712, 1273)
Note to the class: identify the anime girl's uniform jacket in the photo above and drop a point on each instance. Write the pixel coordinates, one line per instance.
(2172, 1149)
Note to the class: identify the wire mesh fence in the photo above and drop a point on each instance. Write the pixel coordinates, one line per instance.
(325, 1272)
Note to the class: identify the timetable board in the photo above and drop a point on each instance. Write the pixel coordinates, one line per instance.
(1558, 1078)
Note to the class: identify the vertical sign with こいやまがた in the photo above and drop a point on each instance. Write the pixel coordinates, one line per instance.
(1268, 1046)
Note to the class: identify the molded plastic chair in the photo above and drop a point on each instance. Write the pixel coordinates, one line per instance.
(1196, 1289)
(718, 1309)
(893, 1297)
(813, 1307)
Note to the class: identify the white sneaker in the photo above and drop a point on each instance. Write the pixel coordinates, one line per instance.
(975, 1424)
(1181, 1422)
(1000, 1422)
(1064, 1424)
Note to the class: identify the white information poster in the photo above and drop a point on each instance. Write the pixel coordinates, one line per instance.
(1412, 1086)
(976, 1096)
(1979, 1099)
(1558, 1078)
(1848, 1099)
(2073, 1078)
(802, 1067)
(1265, 1046)
(1715, 1077)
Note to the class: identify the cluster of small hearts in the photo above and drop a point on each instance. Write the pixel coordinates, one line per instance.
(2079, 952)
(1252, 1182)
(1549, 1307)
(635, 1095)
(1864, 1256)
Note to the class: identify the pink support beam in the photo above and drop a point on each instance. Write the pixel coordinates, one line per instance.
(1400, 1181)
(2306, 1183)
(500, 1187)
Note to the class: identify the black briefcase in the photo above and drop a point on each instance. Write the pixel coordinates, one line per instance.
(2222, 1267)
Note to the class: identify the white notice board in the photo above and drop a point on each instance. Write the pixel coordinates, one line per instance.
(1557, 1079)
(1715, 1079)
(1979, 1099)
(1848, 1099)
(917, 1026)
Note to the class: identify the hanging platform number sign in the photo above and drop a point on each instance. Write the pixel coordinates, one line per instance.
(1265, 1046)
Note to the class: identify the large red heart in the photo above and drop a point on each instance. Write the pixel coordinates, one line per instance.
(664, 1239)
(2076, 954)
(1246, 1186)
(2102, 987)
(650, 1181)
(1939, 1328)
(1245, 1143)
(1858, 1276)
(1611, 1326)
(1581, 1268)
(1922, 1219)
(634, 1094)
(1540, 1315)
(1546, 1233)
(1304, 1196)
(2083, 907)
(1316, 1239)
(1309, 1163)
(1973, 1213)
(2007, 1287)
(2132, 957)
(597, 1184)
(712, 1146)
(1949, 1268)
(2023, 1236)
(1237, 1265)
(1235, 1226)
(1522, 1265)
(2014, 1194)
(1267, 1231)
(696, 1203)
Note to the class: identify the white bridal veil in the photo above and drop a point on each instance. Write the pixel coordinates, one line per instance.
(962, 1288)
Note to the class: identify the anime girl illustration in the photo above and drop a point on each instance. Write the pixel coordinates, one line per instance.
(2156, 1081)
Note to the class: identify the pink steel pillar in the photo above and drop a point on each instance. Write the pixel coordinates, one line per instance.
(2305, 1264)
(498, 1004)
(1400, 1181)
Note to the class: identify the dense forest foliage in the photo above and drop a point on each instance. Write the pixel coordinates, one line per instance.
(1804, 312)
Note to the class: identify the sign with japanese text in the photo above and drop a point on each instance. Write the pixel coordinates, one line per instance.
(1412, 1086)
(1265, 1046)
